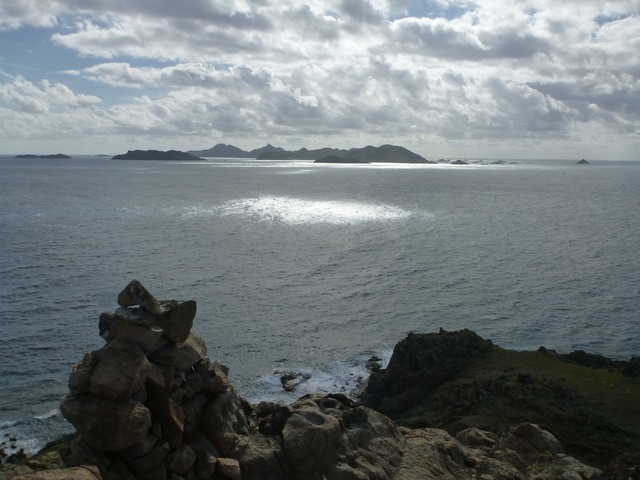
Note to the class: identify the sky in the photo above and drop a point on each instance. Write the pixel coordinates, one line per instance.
(444, 78)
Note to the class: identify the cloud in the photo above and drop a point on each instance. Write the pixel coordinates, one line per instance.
(44, 97)
(451, 70)
(13, 15)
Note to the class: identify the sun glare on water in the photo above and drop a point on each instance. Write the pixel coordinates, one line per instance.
(295, 211)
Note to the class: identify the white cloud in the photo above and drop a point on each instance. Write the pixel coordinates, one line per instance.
(27, 97)
(481, 70)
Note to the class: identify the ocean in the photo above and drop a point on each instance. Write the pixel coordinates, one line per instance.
(306, 267)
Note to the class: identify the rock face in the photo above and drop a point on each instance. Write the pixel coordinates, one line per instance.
(457, 380)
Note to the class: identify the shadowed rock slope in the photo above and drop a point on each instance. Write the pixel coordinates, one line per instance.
(455, 380)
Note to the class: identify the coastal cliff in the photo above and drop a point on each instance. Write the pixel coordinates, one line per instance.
(150, 404)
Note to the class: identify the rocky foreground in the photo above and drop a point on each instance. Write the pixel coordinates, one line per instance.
(150, 404)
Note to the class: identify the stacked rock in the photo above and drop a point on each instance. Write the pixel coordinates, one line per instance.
(150, 401)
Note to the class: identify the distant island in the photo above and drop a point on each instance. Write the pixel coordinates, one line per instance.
(229, 151)
(583, 162)
(155, 155)
(384, 153)
(51, 155)
(368, 154)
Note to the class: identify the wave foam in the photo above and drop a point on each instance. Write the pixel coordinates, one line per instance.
(297, 211)
(340, 377)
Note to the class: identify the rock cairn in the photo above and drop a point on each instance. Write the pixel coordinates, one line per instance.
(150, 403)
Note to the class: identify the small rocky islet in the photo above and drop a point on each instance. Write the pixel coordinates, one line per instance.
(150, 404)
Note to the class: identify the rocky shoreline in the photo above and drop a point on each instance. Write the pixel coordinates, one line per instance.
(150, 404)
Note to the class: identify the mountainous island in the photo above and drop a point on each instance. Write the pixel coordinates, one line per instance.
(222, 150)
(51, 155)
(383, 153)
(156, 155)
(368, 154)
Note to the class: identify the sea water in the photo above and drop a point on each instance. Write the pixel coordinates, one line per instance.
(307, 267)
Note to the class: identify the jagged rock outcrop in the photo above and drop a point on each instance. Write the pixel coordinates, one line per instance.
(457, 380)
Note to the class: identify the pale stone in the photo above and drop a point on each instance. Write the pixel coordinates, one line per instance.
(229, 468)
(76, 473)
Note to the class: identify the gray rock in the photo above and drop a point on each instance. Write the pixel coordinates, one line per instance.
(137, 316)
(229, 468)
(170, 414)
(530, 441)
(76, 473)
(182, 355)
(180, 461)
(104, 424)
(136, 294)
(120, 372)
(223, 420)
(177, 321)
(150, 461)
(113, 327)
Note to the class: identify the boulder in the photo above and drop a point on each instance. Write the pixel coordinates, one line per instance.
(290, 379)
(104, 424)
(214, 377)
(120, 371)
(113, 327)
(176, 322)
(182, 356)
(170, 414)
(181, 460)
(229, 468)
(433, 454)
(222, 422)
(136, 315)
(530, 442)
(324, 436)
(88, 472)
(136, 294)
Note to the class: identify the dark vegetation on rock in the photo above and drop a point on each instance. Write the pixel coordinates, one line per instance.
(155, 155)
(150, 405)
(455, 380)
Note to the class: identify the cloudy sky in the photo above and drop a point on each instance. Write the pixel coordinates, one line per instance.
(470, 78)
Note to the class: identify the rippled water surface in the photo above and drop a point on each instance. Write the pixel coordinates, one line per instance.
(313, 267)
